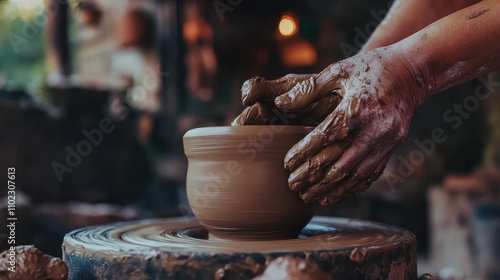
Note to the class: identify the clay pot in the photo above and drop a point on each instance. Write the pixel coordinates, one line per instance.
(236, 183)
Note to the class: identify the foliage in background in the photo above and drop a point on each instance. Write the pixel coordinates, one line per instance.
(22, 45)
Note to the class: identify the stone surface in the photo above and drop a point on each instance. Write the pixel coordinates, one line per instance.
(32, 264)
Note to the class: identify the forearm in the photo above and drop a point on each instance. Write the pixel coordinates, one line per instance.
(406, 17)
(455, 49)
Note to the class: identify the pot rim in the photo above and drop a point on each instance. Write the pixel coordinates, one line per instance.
(245, 130)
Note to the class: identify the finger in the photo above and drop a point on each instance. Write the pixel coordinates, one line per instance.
(314, 88)
(324, 79)
(258, 89)
(343, 166)
(318, 111)
(376, 160)
(333, 175)
(353, 186)
(374, 166)
(312, 170)
(305, 93)
(333, 128)
(254, 115)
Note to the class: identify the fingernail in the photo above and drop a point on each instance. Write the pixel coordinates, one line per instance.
(293, 176)
(291, 163)
(282, 100)
(245, 90)
(295, 187)
(296, 180)
(324, 201)
(278, 101)
(235, 122)
(306, 197)
(244, 98)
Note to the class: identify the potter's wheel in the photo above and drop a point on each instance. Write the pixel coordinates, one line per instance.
(179, 249)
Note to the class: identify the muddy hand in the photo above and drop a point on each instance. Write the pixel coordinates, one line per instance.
(260, 94)
(348, 150)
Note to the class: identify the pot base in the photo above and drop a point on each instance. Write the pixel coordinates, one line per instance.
(180, 249)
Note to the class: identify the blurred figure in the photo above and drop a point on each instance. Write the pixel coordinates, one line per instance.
(201, 62)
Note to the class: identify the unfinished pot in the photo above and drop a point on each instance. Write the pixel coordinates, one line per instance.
(236, 183)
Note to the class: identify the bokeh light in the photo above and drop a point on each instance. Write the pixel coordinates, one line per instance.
(288, 25)
(26, 9)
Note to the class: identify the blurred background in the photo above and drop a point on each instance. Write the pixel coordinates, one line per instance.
(96, 95)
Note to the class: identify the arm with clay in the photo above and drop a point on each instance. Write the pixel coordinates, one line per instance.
(405, 17)
(379, 89)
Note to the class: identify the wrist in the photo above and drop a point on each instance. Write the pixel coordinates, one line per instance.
(417, 71)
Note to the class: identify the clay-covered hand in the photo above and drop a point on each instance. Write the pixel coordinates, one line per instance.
(355, 137)
(349, 149)
(260, 94)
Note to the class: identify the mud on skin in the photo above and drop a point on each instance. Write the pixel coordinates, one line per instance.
(380, 89)
(359, 105)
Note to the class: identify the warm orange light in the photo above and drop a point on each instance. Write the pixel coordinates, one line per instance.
(288, 25)
(299, 54)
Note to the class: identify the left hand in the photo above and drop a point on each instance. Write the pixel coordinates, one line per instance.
(259, 95)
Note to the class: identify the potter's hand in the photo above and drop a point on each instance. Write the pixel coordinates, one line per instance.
(381, 89)
(349, 149)
(355, 138)
(260, 94)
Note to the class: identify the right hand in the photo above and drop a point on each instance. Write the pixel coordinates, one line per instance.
(355, 138)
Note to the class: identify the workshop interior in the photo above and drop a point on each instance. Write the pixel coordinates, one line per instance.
(120, 159)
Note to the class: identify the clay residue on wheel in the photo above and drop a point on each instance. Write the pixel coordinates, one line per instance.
(180, 248)
(33, 264)
(152, 237)
(289, 267)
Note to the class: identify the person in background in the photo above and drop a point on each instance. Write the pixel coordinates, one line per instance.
(362, 106)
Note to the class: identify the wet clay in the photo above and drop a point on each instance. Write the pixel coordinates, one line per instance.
(33, 264)
(236, 183)
(355, 106)
(293, 268)
(260, 95)
(180, 249)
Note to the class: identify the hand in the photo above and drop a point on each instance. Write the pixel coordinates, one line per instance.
(349, 149)
(259, 94)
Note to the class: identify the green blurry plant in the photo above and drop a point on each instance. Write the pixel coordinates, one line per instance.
(22, 66)
(23, 45)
